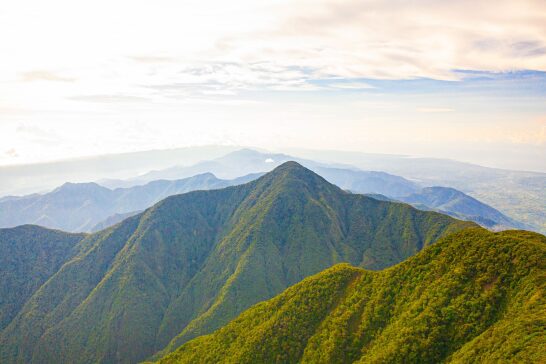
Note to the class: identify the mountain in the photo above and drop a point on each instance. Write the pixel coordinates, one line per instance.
(518, 194)
(113, 220)
(29, 256)
(458, 204)
(232, 165)
(473, 297)
(88, 206)
(443, 199)
(248, 161)
(367, 181)
(454, 203)
(193, 262)
(175, 187)
(40, 177)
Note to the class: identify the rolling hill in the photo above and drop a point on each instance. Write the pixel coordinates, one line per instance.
(473, 297)
(193, 262)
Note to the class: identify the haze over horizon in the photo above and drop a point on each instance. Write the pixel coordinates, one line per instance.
(465, 81)
(325, 155)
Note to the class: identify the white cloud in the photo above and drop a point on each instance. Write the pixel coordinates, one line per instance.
(434, 109)
(211, 70)
(108, 98)
(351, 85)
(269, 44)
(12, 153)
(41, 75)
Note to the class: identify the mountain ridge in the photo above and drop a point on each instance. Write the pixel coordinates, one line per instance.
(89, 206)
(192, 262)
(475, 296)
(455, 203)
(80, 207)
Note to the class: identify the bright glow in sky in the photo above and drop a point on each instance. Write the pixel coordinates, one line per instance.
(455, 79)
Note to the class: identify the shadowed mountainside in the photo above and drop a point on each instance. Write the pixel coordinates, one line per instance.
(29, 256)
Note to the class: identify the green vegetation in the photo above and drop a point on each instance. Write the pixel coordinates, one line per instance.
(473, 297)
(193, 262)
(29, 255)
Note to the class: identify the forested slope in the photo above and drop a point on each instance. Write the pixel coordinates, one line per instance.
(473, 297)
(193, 262)
(29, 255)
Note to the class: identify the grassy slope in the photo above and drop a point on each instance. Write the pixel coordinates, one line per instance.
(475, 296)
(195, 261)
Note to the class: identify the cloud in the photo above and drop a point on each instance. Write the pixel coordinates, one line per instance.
(150, 59)
(434, 109)
(229, 78)
(12, 153)
(529, 49)
(351, 85)
(108, 98)
(36, 134)
(205, 47)
(400, 39)
(42, 75)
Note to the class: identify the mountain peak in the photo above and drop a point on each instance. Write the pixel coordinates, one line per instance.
(205, 175)
(80, 187)
(290, 166)
(294, 170)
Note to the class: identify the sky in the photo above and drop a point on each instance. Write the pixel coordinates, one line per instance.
(463, 80)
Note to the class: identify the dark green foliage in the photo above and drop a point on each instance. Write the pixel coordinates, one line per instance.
(193, 262)
(29, 255)
(473, 297)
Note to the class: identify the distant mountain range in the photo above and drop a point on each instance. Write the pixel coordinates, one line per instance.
(247, 161)
(191, 263)
(40, 177)
(457, 204)
(473, 297)
(437, 198)
(91, 207)
(520, 195)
